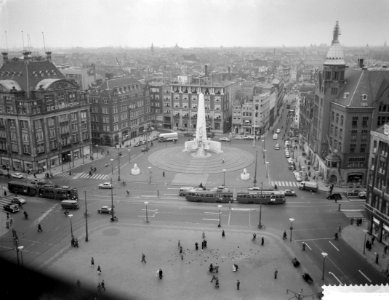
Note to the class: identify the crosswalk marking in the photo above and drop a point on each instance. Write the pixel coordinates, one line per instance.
(285, 183)
(85, 175)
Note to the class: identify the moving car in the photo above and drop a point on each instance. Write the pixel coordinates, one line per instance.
(290, 193)
(224, 139)
(309, 186)
(248, 137)
(297, 176)
(184, 190)
(12, 208)
(362, 195)
(104, 210)
(287, 154)
(105, 185)
(277, 146)
(275, 136)
(69, 204)
(137, 144)
(145, 149)
(334, 196)
(356, 194)
(17, 175)
(290, 161)
(278, 130)
(18, 200)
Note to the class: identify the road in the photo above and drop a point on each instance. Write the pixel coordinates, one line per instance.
(315, 218)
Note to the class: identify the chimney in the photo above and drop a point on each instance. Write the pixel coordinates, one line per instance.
(5, 57)
(229, 73)
(48, 56)
(206, 70)
(26, 54)
(360, 62)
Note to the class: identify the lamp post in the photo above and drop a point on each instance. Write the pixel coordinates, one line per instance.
(264, 155)
(324, 254)
(147, 216)
(120, 154)
(71, 226)
(129, 155)
(97, 151)
(364, 241)
(20, 249)
(86, 220)
(255, 170)
(260, 209)
(267, 171)
(291, 227)
(219, 206)
(224, 177)
(111, 167)
(70, 160)
(149, 174)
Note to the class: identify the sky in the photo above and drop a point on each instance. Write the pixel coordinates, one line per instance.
(191, 23)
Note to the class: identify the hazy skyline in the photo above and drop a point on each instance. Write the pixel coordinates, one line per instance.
(191, 23)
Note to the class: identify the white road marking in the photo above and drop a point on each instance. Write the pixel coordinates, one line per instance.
(337, 279)
(170, 195)
(148, 196)
(211, 213)
(173, 188)
(45, 214)
(77, 175)
(367, 278)
(358, 210)
(306, 244)
(333, 246)
(210, 219)
(242, 209)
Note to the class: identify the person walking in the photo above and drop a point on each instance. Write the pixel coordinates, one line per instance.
(103, 285)
(179, 244)
(262, 241)
(99, 269)
(237, 284)
(92, 262)
(203, 235)
(197, 246)
(275, 274)
(143, 258)
(163, 174)
(254, 236)
(213, 278)
(223, 234)
(39, 227)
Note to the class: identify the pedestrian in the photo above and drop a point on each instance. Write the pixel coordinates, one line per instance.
(202, 245)
(262, 241)
(7, 216)
(5, 193)
(372, 240)
(92, 262)
(205, 243)
(223, 161)
(99, 269)
(284, 236)
(99, 287)
(223, 234)
(275, 274)
(78, 283)
(197, 246)
(303, 246)
(39, 228)
(237, 284)
(213, 278)
(179, 244)
(254, 236)
(376, 257)
(103, 285)
(340, 229)
(180, 249)
(203, 235)
(163, 174)
(143, 258)
(182, 256)
(385, 249)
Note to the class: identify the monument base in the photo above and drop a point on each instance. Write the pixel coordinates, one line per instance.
(204, 149)
(135, 170)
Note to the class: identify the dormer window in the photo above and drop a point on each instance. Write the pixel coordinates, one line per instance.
(364, 97)
(345, 95)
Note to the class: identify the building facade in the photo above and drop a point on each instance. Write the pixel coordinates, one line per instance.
(345, 108)
(180, 106)
(377, 202)
(120, 110)
(44, 118)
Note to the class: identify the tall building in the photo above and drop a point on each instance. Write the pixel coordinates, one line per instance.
(120, 110)
(377, 203)
(44, 118)
(347, 105)
(85, 77)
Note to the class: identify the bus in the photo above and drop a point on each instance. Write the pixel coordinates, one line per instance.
(261, 197)
(32, 189)
(168, 137)
(210, 196)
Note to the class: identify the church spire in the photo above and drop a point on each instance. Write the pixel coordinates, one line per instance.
(335, 54)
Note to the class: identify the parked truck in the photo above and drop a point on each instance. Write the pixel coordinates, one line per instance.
(309, 186)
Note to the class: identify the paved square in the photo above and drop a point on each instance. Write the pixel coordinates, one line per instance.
(189, 179)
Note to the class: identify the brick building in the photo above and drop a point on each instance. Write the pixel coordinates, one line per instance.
(44, 118)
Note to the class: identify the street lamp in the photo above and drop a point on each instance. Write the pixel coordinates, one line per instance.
(324, 254)
(97, 151)
(129, 155)
(120, 154)
(255, 170)
(291, 227)
(260, 209)
(264, 155)
(20, 249)
(267, 171)
(364, 242)
(224, 177)
(71, 226)
(219, 206)
(149, 174)
(70, 160)
(147, 216)
(111, 167)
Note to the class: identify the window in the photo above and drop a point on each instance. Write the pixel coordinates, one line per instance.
(365, 121)
(337, 118)
(341, 120)
(354, 122)
(334, 91)
(363, 148)
(104, 110)
(352, 148)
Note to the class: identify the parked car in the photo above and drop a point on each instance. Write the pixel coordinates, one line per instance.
(278, 130)
(248, 137)
(362, 195)
(105, 185)
(18, 200)
(356, 194)
(137, 144)
(277, 146)
(290, 161)
(12, 208)
(104, 210)
(287, 154)
(224, 139)
(334, 196)
(290, 193)
(145, 149)
(17, 175)
(295, 262)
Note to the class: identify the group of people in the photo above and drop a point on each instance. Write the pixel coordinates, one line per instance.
(92, 170)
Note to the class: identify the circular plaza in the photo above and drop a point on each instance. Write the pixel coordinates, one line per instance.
(176, 160)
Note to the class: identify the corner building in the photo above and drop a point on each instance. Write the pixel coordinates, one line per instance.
(44, 118)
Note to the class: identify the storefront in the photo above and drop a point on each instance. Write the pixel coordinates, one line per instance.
(385, 234)
(375, 228)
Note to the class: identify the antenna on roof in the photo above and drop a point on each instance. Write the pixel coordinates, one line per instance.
(44, 44)
(29, 42)
(6, 39)
(23, 40)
